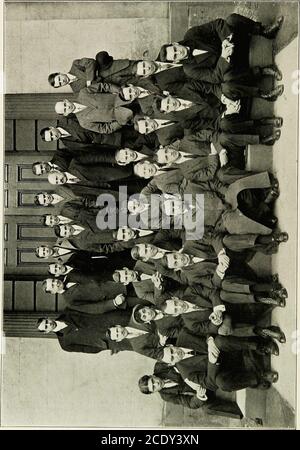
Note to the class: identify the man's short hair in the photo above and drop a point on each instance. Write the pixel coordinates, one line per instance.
(43, 219)
(51, 79)
(34, 165)
(108, 334)
(116, 276)
(136, 122)
(137, 315)
(115, 234)
(135, 253)
(37, 250)
(43, 133)
(38, 323)
(158, 104)
(164, 261)
(56, 229)
(44, 287)
(163, 53)
(143, 384)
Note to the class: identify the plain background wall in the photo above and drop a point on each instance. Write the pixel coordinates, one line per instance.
(43, 38)
(41, 384)
(45, 386)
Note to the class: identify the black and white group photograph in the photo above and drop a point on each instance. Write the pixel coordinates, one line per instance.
(150, 214)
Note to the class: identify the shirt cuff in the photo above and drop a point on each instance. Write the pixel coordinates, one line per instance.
(220, 274)
(219, 308)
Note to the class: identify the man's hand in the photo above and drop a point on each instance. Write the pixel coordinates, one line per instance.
(233, 107)
(201, 394)
(227, 49)
(162, 339)
(216, 318)
(213, 150)
(225, 329)
(223, 157)
(119, 299)
(213, 351)
(224, 261)
(157, 280)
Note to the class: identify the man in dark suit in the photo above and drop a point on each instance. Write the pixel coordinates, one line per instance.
(82, 73)
(103, 241)
(171, 387)
(102, 113)
(84, 293)
(76, 138)
(196, 358)
(147, 283)
(121, 157)
(209, 51)
(144, 341)
(85, 333)
(151, 75)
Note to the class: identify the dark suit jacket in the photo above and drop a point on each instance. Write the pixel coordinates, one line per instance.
(79, 214)
(85, 140)
(86, 332)
(90, 295)
(99, 173)
(197, 368)
(107, 157)
(104, 113)
(182, 394)
(146, 344)
(85, 70)
(208, 66)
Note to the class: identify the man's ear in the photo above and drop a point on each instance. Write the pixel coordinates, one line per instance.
(121, 164)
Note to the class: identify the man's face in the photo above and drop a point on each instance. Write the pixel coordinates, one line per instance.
(53, 134)
(54, 286)
(172, 355)
(42, 168)
(44, 252)
(145, 169)
(125, 234)
(61, 80)
(175, 307)
(127, 275)
(51, 220)
(176, 52)
(57, 178)
(146, 126)
(155, 384)
(135, 206)
(145, 68)
(166, 155)
(130, 93)
(173, 207)
(57, 269)
(125, 156)
(147, 251)
(47, 325)
(66, 230)
(118, 333)
(45, 199)
(177, 260)
(65, 107)
(169, 104)
(146, 314)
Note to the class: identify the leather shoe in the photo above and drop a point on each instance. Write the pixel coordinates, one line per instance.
(271, 139)
(272, 71)
(272, 95)
(271, 376)
(268, 348)
(272, 301)
(270, 31)
(276, 122)
(271, 332)
(280, 237)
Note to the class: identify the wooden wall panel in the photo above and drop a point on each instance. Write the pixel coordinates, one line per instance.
(9, 135)
(25, 135)
(24, 296)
